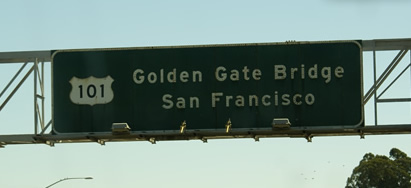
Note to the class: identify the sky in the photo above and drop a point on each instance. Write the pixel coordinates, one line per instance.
(271, 162)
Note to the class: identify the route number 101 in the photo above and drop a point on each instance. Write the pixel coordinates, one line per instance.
(91, 91)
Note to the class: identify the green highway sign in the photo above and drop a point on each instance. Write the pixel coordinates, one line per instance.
(312, 84)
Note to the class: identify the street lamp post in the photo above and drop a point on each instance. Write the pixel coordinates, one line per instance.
(83, 178)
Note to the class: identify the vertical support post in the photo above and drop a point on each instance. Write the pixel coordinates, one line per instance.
(375, 92)
(42, 95)
(35, 97)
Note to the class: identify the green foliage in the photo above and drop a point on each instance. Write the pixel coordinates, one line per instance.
(380, 171)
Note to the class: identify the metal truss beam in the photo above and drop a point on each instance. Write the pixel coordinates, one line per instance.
(37, 70)
(21, 57)
(401, 45)
(386, 44)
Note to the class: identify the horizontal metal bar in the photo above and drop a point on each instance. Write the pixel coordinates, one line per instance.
(386, 44)
(368, 45)
(198, 135)
(395, 100)
(28, 56)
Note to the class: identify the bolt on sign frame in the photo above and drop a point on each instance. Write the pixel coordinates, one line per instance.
(173, 98)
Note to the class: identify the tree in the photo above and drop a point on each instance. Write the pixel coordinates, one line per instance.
(380, 171)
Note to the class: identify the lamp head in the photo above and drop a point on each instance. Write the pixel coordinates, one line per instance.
(281, 123)
(120, 128)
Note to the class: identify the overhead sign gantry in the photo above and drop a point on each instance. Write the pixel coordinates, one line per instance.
(291, 89)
